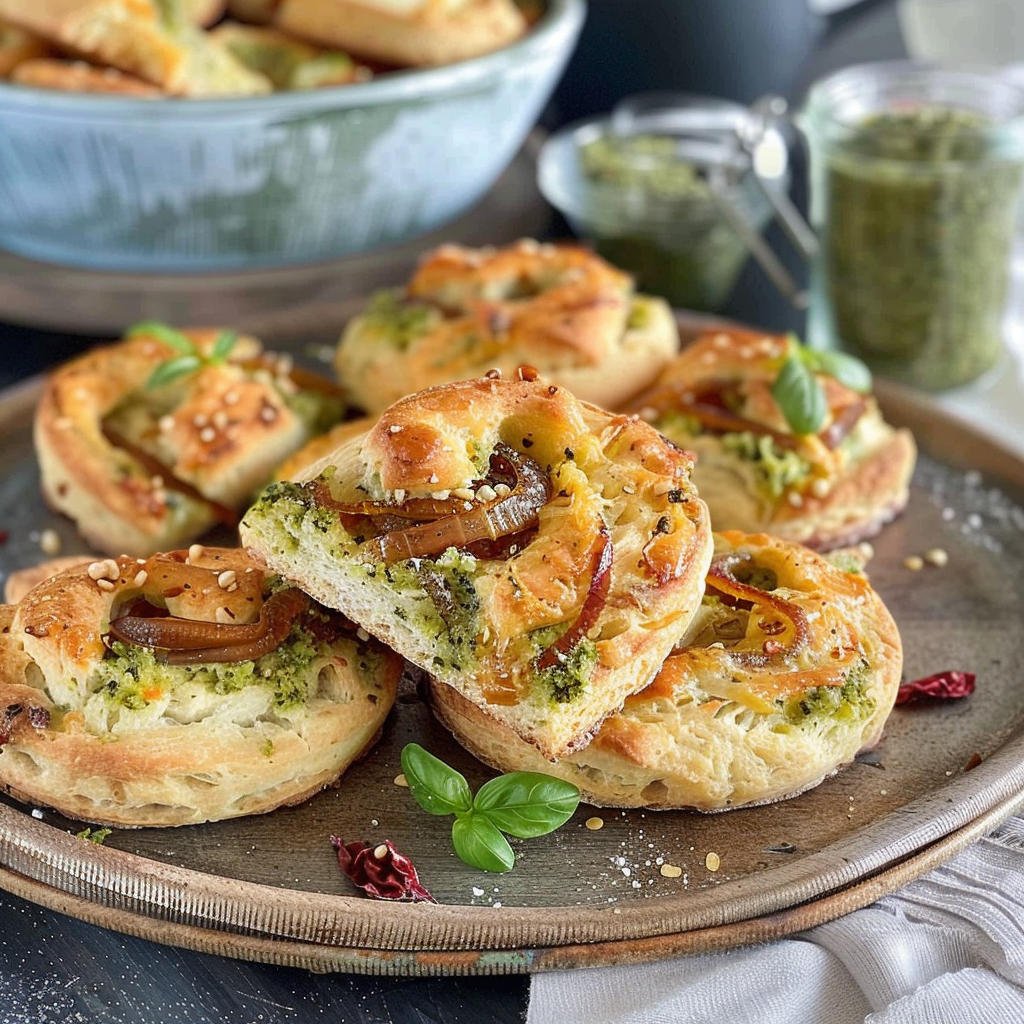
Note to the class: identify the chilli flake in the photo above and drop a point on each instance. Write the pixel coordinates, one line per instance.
(949, 685)
(381, 871)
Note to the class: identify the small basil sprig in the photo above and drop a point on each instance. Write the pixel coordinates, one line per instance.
(189, 358)
(523, 804)
(798, 392)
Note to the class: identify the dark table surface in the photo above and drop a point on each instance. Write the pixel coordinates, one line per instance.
(56, 969)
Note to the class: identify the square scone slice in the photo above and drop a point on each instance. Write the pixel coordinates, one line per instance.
(537, 553)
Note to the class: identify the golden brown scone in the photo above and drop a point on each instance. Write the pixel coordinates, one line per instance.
(16, 46)
(155, 43)
(536, 552)
(77, 76)
(275, 698)
(413, 33)
(558, 308)
(142, 469)
(289, 63)
(826, 489)
(21, 581)
(790, 669)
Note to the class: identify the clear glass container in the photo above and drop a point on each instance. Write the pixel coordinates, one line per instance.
(916, 174)
(663, 188)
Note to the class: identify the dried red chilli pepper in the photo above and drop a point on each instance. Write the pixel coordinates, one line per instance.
(949, 685)
(381, 871)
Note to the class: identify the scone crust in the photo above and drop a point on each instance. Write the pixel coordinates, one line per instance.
(711, 732)
(210, 440)
(617, 489)
(439, 32)
(175, 752)
(852, 488)
(559, 308)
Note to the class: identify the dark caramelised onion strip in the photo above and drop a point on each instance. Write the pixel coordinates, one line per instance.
(723, 579)
(516, 511)
(848, 417)
(189, 641)
(593, 603)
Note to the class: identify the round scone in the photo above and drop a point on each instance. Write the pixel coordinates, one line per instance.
(540, 554)
(183, 688)
(559, 308)
(413, 33)
(790, 668)
(836, 478)
(145, 458)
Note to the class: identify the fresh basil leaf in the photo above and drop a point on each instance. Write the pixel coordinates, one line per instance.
(438, 789)
(480, 844)
(527, 804)
(846, 369)
(800, 397)
(179, 366)
(223, 345)
(162, 332)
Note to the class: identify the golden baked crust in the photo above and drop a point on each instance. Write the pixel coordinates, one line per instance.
(143, 469)
(295, 466)
(17, 46)
(725, 723)
(135, 37)
(559, 308)
(562, 549)
(19, 582)
(824, 490)
(428, 32)
(107, 732)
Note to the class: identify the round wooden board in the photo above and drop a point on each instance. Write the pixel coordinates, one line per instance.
(268, 888)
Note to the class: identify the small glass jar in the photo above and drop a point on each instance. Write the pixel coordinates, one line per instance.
(663, 189)
(916, 174)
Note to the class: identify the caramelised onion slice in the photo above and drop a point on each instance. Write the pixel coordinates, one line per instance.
(456, 522)
(721, 576)
(189, 641)
(593, 603)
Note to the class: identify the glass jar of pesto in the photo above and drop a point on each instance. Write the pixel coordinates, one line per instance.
(916, 175)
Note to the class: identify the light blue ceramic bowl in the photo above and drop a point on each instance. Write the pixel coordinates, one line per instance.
(175, 186)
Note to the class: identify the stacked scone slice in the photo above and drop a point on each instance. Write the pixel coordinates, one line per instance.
(536, 553)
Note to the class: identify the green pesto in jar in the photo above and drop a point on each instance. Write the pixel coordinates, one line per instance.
(919, 222)
(654, 214)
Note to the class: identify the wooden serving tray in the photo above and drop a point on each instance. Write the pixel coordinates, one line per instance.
(268, 888)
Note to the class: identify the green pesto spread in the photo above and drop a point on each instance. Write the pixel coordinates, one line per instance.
(920, 215)
(128, 672)
(569, 678)
(397, 321)
(777, 469)
(846, 703)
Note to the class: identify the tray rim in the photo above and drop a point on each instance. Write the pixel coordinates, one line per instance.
(137, 895)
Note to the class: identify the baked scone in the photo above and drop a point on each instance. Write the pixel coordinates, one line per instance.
(788, 671)
(406, 33)
(826, 488)
(538, 553)
(143, 468)
(155, 41)
(289, 63)
(187, 687)
(559, 308)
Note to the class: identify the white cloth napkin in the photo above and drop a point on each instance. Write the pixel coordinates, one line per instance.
(946, 948)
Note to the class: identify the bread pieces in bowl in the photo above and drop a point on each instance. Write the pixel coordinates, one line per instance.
(829, 488)
(143, 468)
(789, 670)
(558, 308)
(407, 33)
(536, 552)
(121, 733)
